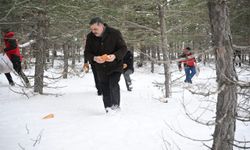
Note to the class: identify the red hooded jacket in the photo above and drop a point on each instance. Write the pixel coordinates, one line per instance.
(189, 60)
(11, 46)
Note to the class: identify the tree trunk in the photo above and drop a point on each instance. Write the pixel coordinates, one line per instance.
(153, 55)
(164, 48)
(223, 136)
(142, 56)
(78, 53)
(65, 58)
(24, 53)
(73, 49)
(39, 54)
(158, 53)
(54, 54)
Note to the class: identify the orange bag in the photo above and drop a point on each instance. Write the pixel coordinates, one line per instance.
(104, 57)
(49, 116)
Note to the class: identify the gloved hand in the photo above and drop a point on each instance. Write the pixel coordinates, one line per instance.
(86, 67)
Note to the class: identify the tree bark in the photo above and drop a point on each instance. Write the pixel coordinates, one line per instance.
(39, 54)
(224, 132)
(164, 47)
(65, 58)
(73, 49)
(153, 55)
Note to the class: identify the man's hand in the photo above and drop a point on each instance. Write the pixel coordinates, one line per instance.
(180, 69)
(86, 67)
(99, 59)
(110, 58)
(125, 66)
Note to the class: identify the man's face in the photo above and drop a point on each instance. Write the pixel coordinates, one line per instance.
(186, 51)
(97, 29)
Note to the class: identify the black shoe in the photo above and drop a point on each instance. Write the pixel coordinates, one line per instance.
(130, 88)
(99, 93)
(12, 83)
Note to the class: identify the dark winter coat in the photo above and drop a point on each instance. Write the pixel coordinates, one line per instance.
(12, 50)
(111, 42)
(188, 60)
(129, 60)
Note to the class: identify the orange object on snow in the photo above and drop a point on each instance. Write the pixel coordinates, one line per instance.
(49, 116)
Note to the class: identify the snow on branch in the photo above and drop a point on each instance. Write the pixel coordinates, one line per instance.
(27, 44)
(241, 47)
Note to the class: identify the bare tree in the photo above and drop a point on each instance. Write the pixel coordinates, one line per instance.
(164, 47)
(41, 45)
(224, 133)
(73, 50)
(65, 59)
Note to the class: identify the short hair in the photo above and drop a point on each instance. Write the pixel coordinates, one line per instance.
(96, 20)
(187, 48)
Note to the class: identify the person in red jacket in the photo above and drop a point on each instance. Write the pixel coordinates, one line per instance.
(13, 52)
(189, 64)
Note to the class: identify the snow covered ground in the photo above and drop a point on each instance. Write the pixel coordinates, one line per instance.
(80, 122)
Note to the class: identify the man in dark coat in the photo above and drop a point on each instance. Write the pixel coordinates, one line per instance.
(128, 69)
(189, 62)
(105, 49)
(13, 52)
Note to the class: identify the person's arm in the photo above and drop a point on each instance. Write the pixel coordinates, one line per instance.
(180, 62)
(121, 47)
(88, 54)
(12, 43)
(85, 59)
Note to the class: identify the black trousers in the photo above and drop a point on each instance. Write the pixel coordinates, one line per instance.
(9, 78)
(110, 88)
(97, 82)
(127, 78)
(18, 68)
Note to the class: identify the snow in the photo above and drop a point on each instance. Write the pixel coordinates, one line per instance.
(80, 122)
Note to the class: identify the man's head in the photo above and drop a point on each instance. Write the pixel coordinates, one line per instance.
(187, 50)
(97, 26)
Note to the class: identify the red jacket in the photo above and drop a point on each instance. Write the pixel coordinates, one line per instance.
(11, 46)
(189, 60)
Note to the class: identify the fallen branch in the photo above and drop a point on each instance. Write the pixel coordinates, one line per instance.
(22, 148)
(38, 138)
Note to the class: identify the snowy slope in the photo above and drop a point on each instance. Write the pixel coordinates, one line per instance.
(80, 122)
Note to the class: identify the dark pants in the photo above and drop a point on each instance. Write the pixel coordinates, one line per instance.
(9, 78)
(127, 78)
(97, 83)
(18, 68)
(110, 88)
(190, 72)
